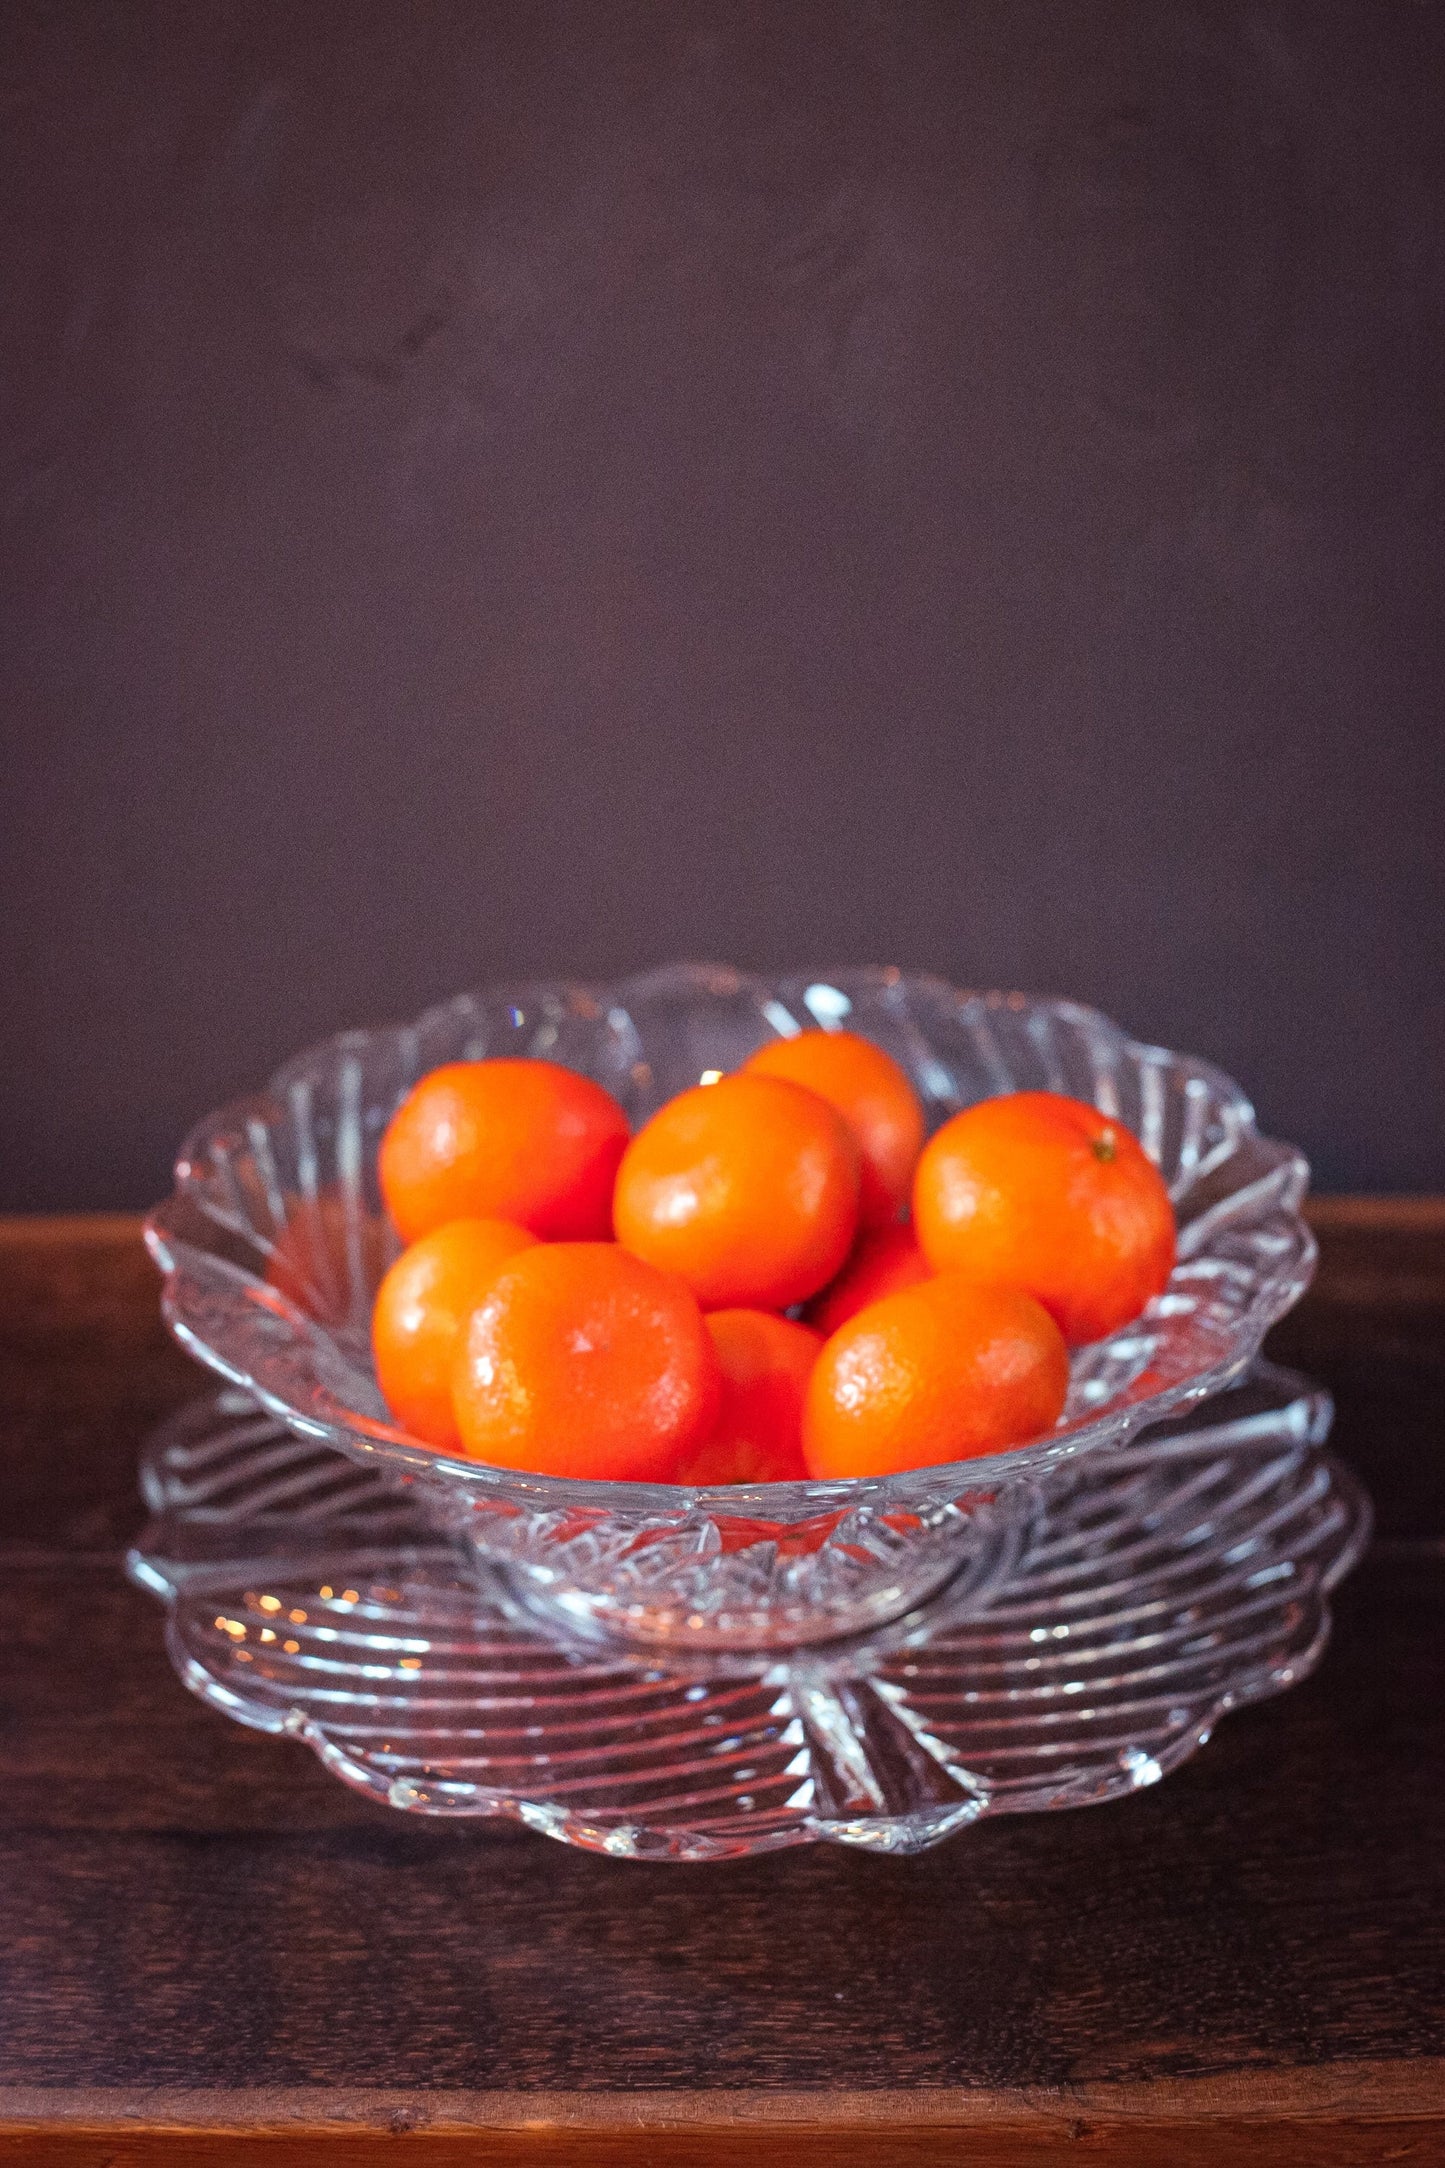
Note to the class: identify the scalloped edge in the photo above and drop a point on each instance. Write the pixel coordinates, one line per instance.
(366, 1438)
(898, 1837)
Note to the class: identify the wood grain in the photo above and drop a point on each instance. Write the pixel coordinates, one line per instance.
(211, 1952)
(1347, 2115)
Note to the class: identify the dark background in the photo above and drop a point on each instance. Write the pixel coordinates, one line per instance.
(490, 490)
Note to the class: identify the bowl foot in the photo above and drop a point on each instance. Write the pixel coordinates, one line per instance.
(723, 1647)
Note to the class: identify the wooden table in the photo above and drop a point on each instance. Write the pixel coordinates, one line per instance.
(210, 1952)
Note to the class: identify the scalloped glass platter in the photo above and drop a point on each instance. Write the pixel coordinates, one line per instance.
(274, 1239)
(1155, 1588)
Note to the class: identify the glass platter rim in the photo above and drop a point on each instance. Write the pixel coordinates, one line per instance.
(901, 1833)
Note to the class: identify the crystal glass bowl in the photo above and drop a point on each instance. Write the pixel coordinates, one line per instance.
(274, 1240)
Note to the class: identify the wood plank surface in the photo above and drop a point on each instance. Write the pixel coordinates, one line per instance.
(212, 1952)
(1342, 2116)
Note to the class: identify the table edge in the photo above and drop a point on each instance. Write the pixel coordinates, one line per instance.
(1401, 2088)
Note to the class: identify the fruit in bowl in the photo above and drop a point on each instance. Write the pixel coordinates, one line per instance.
(1038, 1221)
(1043, 1192)
(278, 1238)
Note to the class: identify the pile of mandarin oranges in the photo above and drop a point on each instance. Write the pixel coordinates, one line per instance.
(775, 1278)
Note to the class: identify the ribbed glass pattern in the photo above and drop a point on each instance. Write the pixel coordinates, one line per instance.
(1159, 1587)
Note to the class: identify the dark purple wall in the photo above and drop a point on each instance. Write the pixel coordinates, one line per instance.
(495, 489)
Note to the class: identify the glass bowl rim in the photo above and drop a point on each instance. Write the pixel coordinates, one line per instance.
(366, 1438)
